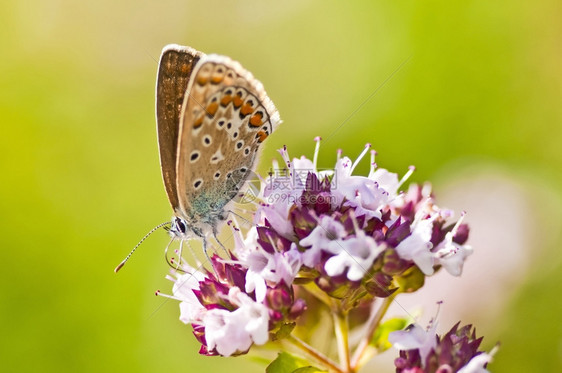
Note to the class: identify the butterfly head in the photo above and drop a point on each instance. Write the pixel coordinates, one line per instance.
(179, 228)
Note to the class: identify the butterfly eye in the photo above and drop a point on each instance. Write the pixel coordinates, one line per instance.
(180, 225)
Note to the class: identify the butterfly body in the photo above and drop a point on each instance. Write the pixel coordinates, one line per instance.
(212, 116)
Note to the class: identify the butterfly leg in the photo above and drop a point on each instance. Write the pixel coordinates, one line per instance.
(171, 263)
(215, 234)
(180, 253)
(197, 261)
(205, 250)
(209, 258)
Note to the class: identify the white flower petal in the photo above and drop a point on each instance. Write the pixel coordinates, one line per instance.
(476, 364)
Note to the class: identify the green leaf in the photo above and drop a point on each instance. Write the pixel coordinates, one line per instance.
(380, 338)
(283, 331)
(287, 363)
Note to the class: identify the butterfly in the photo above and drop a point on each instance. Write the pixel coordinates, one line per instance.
(212, 117)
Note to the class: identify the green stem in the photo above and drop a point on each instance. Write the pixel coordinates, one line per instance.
(315, 354)
(362, 348)
(342, 336)
(315, 291)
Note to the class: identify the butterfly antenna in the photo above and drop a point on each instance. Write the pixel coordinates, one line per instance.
(137, 245)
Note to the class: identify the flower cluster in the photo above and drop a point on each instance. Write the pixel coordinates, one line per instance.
(423, 351)
(335, 239)
(226, 319)
(359, 236)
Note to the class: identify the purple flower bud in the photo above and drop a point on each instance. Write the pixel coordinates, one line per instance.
(462, 234)
(424, 351)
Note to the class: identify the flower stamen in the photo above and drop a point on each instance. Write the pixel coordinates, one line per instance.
(367, 147)
(411, 170)
(373, 164)
(316, 151)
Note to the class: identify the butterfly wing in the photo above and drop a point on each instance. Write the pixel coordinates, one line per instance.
(226, 115)
(174, 70)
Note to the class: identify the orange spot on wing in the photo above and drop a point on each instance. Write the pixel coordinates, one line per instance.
(226, 100)
(246, 109)
(198, 122)
(261, 136)
(256, 120)
(212, 109)
(202, 80)
(184, 68)
(237, 101)
(216, 79)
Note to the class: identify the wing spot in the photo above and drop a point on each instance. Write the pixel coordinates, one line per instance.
(256, 120)
(197, 184)
(261, 136)
(206, 140)
(198, 122)
(229, 125)
(217, 157)
(212, 109)
(235, 134)
(217, 175)
(194, 156)
(239, 145)
(247, 150)
(226, 99)
(238, 99)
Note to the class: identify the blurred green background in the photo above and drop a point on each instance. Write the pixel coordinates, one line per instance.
(80, 178)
